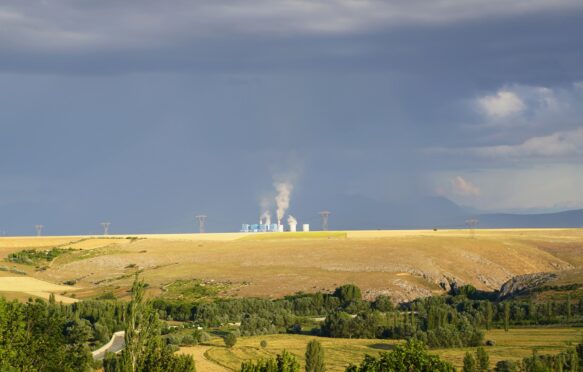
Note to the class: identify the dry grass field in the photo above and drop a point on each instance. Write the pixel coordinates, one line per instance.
(403, 264)
(25, 287)
(515, 344)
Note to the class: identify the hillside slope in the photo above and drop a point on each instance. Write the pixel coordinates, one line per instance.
(403, 264)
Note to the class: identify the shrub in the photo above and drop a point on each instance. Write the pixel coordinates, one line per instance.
(282, 362)
(188, 340)
(230, 340)
(263, 344)
(204, 337)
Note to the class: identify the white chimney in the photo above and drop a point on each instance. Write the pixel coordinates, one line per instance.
(306, 227)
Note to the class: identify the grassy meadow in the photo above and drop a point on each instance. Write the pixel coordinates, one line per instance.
(515, 344)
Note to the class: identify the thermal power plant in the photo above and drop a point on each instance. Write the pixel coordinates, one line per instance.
(263, 227)
(259, 227)
(306, 227)
(282, 202)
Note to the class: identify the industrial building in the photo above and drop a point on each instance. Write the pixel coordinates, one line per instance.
(262, 227)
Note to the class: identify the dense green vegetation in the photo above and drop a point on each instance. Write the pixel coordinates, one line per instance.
(61, 336)
(411, 356)
(41, 336)
(34, 257)
(144, 349)
(284, 362)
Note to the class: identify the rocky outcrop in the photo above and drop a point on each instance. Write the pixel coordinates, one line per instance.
(524, 283)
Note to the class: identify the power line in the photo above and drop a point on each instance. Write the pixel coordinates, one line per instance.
(105, 227)
(472, 224)
(201, 218)
(324, 215)
(39, 229)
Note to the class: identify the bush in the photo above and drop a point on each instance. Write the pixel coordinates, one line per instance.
(188, 340)
(204, 337)
(32, 256)
(506, 366)
(173, 340)
(230, 340)
(263, 344)
(282, 362)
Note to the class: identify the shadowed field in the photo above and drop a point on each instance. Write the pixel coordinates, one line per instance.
(403, 264)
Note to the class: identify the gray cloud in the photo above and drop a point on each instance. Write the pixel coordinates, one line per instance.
(153, 111)
(559, 144)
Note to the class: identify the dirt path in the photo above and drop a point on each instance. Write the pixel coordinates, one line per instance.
(202, 363)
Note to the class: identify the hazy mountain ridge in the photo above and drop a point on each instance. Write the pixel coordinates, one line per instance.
(358, 212)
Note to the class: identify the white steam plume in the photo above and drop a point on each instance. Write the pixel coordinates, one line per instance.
(266, 218)
(291, 220)
(284, 190)
(265, 205)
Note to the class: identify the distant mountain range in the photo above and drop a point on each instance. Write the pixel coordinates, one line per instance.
(572, 218)
(358, 212)
(349, 212)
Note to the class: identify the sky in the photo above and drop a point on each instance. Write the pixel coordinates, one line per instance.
(147, 113)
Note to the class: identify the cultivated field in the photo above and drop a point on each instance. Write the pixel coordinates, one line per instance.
(403, 264)
(515, 344)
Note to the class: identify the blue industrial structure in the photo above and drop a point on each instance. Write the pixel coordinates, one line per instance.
(259, 227)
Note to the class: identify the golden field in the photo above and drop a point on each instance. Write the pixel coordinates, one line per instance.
(404, 264)
(514, 344)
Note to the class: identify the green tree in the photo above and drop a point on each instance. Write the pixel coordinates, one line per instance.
(489, 314)
(411, 356)
(506, 315)
(568, 307)
(40, 336)
(470, 364)
(506, 366)
(483, 359)
(348, 293)
(383, 303)
(315, 357)
(230, 339)
(144, 349)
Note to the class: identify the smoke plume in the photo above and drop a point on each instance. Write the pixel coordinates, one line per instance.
(266, 218)
(284, 190)
(291, 220)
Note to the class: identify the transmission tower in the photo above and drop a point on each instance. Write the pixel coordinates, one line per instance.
(39, 229)
(324, 215)
(105, 227)
(201, 218)
(472, 224)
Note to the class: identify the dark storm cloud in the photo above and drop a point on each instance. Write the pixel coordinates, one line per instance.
(146, 113)
(484, 43)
